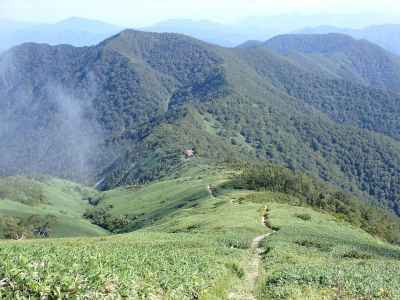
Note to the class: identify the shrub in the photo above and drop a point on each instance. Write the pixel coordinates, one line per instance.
(314, 244)
(102, 217)
(234, 267)
(304, 217)
(35, 226)
(94, 201)
(354, 254)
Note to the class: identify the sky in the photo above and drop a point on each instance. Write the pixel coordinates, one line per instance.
(146, 12)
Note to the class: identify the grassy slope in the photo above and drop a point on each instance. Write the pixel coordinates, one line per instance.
(62, 199)
(323, 258)
(193, 245)
(183, 253)
(173, 202)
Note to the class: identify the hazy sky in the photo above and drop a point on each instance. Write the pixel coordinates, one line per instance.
(144, 12)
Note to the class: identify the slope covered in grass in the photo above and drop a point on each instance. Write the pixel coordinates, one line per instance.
(23, 198)
(138, 266)
(184, 253)
(193, 244)
(323, 258)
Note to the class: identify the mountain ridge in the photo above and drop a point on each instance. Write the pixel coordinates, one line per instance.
(344, 56)
(74, 31)
(385, 35)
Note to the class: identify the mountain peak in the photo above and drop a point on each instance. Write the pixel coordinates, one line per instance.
(82, 24)
(140, 40)
(310, 43)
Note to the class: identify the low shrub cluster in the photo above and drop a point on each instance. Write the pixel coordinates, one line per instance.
(33, 227)
(304, 217)
(102, 217)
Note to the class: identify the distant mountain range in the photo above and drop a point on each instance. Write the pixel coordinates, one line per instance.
(262, 28)
(73, 31)
(125, 110)
(84, 32)
(386, 36)
(211, 32)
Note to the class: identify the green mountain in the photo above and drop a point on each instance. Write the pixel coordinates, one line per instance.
(341, 56)
(124, 111)
(344, 101)
(385, 35)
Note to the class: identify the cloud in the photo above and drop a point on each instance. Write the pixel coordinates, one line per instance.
(56, 135)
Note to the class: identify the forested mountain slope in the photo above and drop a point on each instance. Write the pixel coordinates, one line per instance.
(343, 100)
(341, 56)
(385, 35)
(124, 111)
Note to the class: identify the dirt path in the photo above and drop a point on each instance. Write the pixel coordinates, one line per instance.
(252, 271)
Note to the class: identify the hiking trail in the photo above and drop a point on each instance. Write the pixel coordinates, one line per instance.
(247, 290)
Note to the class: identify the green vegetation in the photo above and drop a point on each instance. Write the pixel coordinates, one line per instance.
(304, 217)
(23, 190)
(141, 265)
(312, 192)
(140, 99)
(44, 207)
(146, 204)
(129, 108)
(324, 258)
(188, 244)
(34, 226)
(187, 252)
(321, 148)
(339, 56)
(102, 217)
